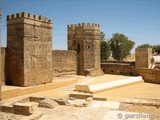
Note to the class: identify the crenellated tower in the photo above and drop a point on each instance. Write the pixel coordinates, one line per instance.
(29, 41)
(85, 39)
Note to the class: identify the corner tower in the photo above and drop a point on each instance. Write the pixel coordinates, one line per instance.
(29, 41)
(85, 39)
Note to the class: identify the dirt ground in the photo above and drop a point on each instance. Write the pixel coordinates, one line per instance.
(138, 90)
(120, 94)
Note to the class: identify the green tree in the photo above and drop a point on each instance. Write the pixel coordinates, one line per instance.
(105, 47)
(120, 46)
(145, 46)
(157, 49)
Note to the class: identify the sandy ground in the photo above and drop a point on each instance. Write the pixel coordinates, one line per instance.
(138, 90)
(107, 78)
(68, 113)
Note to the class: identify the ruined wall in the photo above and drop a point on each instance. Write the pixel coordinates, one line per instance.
(29, 40)
(85, 39)
(0, 52)
(118, 68)
(150, 75)
(64, 62)
(3, 53)
(4, 67)
(143, 57)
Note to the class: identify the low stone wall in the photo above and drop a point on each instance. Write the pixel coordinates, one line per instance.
(150, 75)
(118, 68)
(64, 62)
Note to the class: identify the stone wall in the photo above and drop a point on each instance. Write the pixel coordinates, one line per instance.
(0, 51)
(64, 62)
(4, 70)
(118, 68)
(150, 75)
(143, 58)
(29, 47)
(85, 39)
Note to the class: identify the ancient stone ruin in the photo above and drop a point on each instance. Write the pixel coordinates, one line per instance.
(0, 53)
(29, 48)
(85, 39)
(29, 59)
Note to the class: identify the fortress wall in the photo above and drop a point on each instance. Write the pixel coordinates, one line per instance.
(118, 68)
(150, 75)
(64, 62)
(4, 72)
(29, 48)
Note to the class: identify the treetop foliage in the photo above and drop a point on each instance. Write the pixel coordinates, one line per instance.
(120, 46)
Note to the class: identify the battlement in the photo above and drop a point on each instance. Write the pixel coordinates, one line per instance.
(84, 26)
(28, 16)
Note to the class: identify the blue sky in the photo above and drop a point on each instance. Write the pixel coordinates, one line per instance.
(139, 20)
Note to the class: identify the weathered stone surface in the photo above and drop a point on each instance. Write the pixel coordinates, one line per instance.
(0, 54)
(4, 66)
(143, 58)
(61, 101)
(80, 105)
(36, 99)
(24, 108)
(29, 39)
(48, 103)
(85, 39)
(64, 62)
(118, 68)
(7, 108)
(93, 72)
(80, 95)
(150, 75)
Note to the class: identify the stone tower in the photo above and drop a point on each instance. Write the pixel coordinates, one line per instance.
(143, 58)
(0, 51)
(29, 41)
(85, 39)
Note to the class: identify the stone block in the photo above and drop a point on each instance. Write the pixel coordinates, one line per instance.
(24, 108)
(62, 101)
(48, 103)
(80, 95)
(7, 108)
(36, 99)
